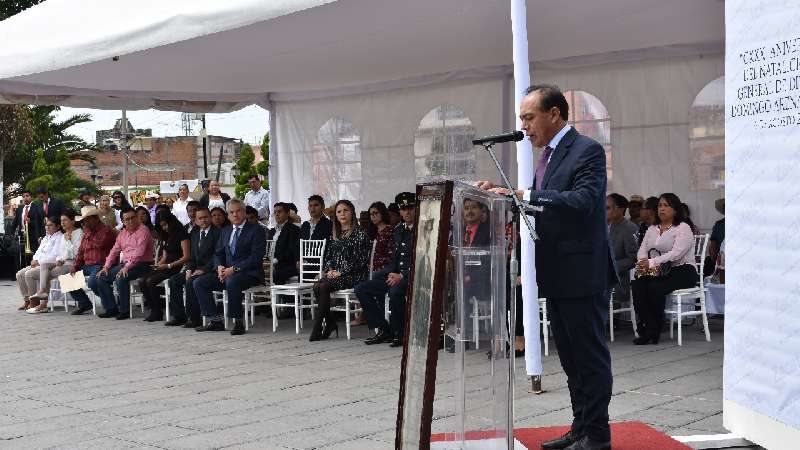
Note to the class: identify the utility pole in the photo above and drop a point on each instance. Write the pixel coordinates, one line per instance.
(125, 145)
(205, 155)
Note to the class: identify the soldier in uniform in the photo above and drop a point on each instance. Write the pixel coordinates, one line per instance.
(372, 293)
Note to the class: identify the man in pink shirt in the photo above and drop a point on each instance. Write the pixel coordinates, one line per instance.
(130, 258)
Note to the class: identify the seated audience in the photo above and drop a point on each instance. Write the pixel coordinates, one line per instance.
(635, 204)
(345, 264)
(318, 227)
(287, 245)
(384, 239)
(173, 245)
(649, 213)
(238, 262)
(169, 202)
(204, 238)
(108, 215)
(371, 294)
(150, 204)
(219, 218)
(96, 244)
(251, 215)
(130, 258)
(258, 198)
(716, 239)
(84, 199)
(688, 215)
(363, 222)
(191, 209)
(622, 238)
(214, 198)
(144, 219)
(293, 217)
(34, 280)
(119, 203)
(672, 237)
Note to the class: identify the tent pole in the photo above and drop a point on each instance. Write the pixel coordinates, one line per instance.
(530, 297)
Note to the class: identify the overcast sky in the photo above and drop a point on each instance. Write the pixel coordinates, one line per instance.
(249, 124)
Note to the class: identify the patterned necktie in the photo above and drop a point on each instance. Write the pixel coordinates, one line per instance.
(541, 168)
(234, 239)
(25, 214)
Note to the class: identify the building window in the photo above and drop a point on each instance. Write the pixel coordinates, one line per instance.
(336, 161)
(590, 117)
(443, 145)
(707, 137)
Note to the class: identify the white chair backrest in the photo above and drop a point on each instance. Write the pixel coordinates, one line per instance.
(700, 252)
(372, 258)
(311, 254)
(269, 256)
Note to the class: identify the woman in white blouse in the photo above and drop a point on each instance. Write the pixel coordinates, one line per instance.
(70, 244)
(673, 239)
(37, 275)
(214, 198)
(179, 206)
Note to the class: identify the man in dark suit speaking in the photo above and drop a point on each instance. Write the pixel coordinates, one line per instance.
(574, 267)
(238, 266)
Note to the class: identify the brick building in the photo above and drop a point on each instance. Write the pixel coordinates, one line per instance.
(155, 159)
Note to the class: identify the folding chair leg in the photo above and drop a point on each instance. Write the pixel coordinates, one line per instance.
(633, 321)
(680, 317)
(347, 316)
(246, 312)
(705, 318)
(611, 318)
(225, 308)
(298, 318)
(274, 313)
(166, 300)
(545, 332)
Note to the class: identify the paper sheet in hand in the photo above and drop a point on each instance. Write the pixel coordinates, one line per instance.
(71, 283)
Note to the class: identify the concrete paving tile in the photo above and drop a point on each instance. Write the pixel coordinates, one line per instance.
(156, 434)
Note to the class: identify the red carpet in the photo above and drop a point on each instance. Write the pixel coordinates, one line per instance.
(624, 436)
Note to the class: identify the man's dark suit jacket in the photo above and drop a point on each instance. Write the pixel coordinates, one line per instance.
(55, 208)
(250, 249)
(573, 257)
(202, 253)
(287, 248)
(35, 221)
(321, 231)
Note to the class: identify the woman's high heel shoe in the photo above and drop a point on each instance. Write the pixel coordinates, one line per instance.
(328, 329)
(316, 330)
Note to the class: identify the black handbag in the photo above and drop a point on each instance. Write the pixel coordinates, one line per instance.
(660, 271)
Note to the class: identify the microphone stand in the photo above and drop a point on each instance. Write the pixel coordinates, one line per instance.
(518, 210)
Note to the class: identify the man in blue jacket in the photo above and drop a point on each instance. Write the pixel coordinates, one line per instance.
(238, 263)
(574, 265)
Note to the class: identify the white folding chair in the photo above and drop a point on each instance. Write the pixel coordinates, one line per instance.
(690, 302)
(621, 309)
(312, 253)
(55, 286)
(350, 304)
(256, 295)
(477, 317)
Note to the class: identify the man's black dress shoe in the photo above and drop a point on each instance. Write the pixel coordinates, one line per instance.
(154, 318)
(212, 326)
(190, 324)
(589, 444)
(396, 342)
(560, 443)
(174, 323)
(238, 328)
(123, 316)
(380, 338)
(80, 311)
(108, 314)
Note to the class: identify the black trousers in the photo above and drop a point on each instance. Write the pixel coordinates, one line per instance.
(579, 333)
(649, 295)
(283, 272)
(177, 285)
(151, 292)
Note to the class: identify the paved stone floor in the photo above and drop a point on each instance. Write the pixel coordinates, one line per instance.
(83, 382)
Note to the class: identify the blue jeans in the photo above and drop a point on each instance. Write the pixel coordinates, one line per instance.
(89, 272)
(123, 285)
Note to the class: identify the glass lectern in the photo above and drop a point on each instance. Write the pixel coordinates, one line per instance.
(457, 372)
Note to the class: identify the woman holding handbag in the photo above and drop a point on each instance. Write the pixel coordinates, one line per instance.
(665, 263)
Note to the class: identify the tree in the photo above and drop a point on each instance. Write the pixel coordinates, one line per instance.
(10, 7)
(245, 167)
(16, 131)
(55, 175)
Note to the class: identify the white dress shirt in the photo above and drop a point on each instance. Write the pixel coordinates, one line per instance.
(552, 144)
(49, 248)
(260, 201)
(179, 210)
(69, 247)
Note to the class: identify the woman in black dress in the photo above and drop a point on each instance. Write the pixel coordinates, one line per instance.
(345, 264)
(173, 245)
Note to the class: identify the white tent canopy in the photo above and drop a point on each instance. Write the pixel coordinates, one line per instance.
(217, 56)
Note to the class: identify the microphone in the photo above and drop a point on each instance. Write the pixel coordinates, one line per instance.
(513, 136)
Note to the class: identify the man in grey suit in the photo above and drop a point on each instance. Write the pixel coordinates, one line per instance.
(624, 245)
(574, 266)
